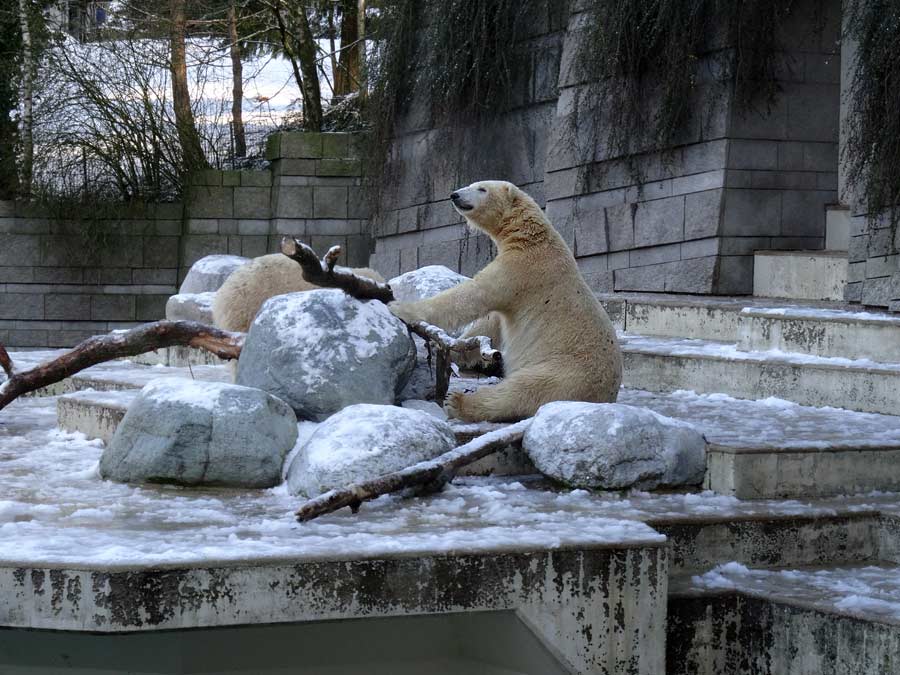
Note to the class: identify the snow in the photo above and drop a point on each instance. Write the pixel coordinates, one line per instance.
(818, 313)
(729, 351)
(867, 592)
(57, 510)
(217, 264)
(771, 422)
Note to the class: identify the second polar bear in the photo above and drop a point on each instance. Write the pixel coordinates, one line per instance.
(242, 295)
(558, 342)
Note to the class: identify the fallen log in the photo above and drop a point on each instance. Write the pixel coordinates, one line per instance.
(115, 345)
(325, 273)
(433, 474)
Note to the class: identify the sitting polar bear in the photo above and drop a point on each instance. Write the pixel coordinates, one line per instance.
(242, 295)
(558, 342)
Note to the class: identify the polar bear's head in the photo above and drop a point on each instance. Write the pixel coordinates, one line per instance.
(485, 203)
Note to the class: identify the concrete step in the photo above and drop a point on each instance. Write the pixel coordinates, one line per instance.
(802, 275)
(774, 449)
(670, 364)
(817, 328)
(821, 332)
(833, 621)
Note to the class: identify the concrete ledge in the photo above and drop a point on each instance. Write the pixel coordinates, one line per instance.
(662, 365)
(852, 335)
(772, 473)
(802, 275)
(728, 632)
(593, 607)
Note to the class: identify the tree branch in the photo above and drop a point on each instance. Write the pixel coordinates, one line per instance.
(101, 348)
(435, 472)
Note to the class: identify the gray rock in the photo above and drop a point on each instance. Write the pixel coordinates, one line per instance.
(613, 446)
(190, 432)
(191, 307)
(364, 441)
(424, 283)
(420, 284)
(322, 350)
(209, 273)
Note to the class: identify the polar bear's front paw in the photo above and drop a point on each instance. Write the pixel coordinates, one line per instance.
(405, 311)
(453, 404)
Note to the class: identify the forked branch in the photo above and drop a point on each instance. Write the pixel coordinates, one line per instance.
(432, 473)
(115, 345)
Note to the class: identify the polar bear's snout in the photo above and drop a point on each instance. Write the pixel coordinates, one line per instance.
(459, 203)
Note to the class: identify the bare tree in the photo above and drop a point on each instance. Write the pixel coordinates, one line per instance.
(237, 78)
(25, 133)
(300, 48)
(346, 73)
(191, 148)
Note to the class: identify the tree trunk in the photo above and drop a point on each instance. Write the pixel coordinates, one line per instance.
(312, 113)
(188, 138)
(346, 77)
(361, 46)
(305, 73)
(237, 88)
(26, 136)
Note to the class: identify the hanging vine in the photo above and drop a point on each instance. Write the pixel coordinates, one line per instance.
(871, 153)
(643, 61)
(460, 59)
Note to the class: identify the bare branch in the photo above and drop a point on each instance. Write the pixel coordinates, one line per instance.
(432, 473)
(115, 345)
(324, 272)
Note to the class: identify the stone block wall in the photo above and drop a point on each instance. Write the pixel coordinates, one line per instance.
(56, 289)
(739, 181)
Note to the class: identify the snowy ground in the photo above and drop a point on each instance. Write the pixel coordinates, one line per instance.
(56, 509)
(871, 592)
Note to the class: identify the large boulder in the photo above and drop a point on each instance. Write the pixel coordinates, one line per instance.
(190, 432)
(613, 446)
(209, 273)
(191, 307)
(322, 350)
(364, 441)
(424, 282)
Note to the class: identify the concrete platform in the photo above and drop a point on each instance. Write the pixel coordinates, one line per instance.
(834, 621)
(801, 275)
(821, 332)
(178, 357)
(669, 364)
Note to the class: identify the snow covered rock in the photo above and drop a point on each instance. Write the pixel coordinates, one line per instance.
(424, 282)
(209, 273)
(364, 441)
(191, 307)
(420, 284)
(614, 446)
(320, 351)
(191, 432)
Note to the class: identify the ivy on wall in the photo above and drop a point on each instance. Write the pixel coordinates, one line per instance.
(642, 62)
(460, 59)
(871, 152)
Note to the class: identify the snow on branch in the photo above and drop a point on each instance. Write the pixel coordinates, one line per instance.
(115, 345)
(432, 474)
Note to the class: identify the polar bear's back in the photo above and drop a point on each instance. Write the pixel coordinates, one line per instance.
(242, 295)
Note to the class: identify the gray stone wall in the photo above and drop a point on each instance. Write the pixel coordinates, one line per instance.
(738, 182)
(55, 292)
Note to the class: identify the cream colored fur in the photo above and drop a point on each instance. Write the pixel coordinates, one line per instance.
(557, 341)
(242, 295)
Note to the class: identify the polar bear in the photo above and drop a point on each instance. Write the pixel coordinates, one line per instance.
(558, 342)
(242, 295)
